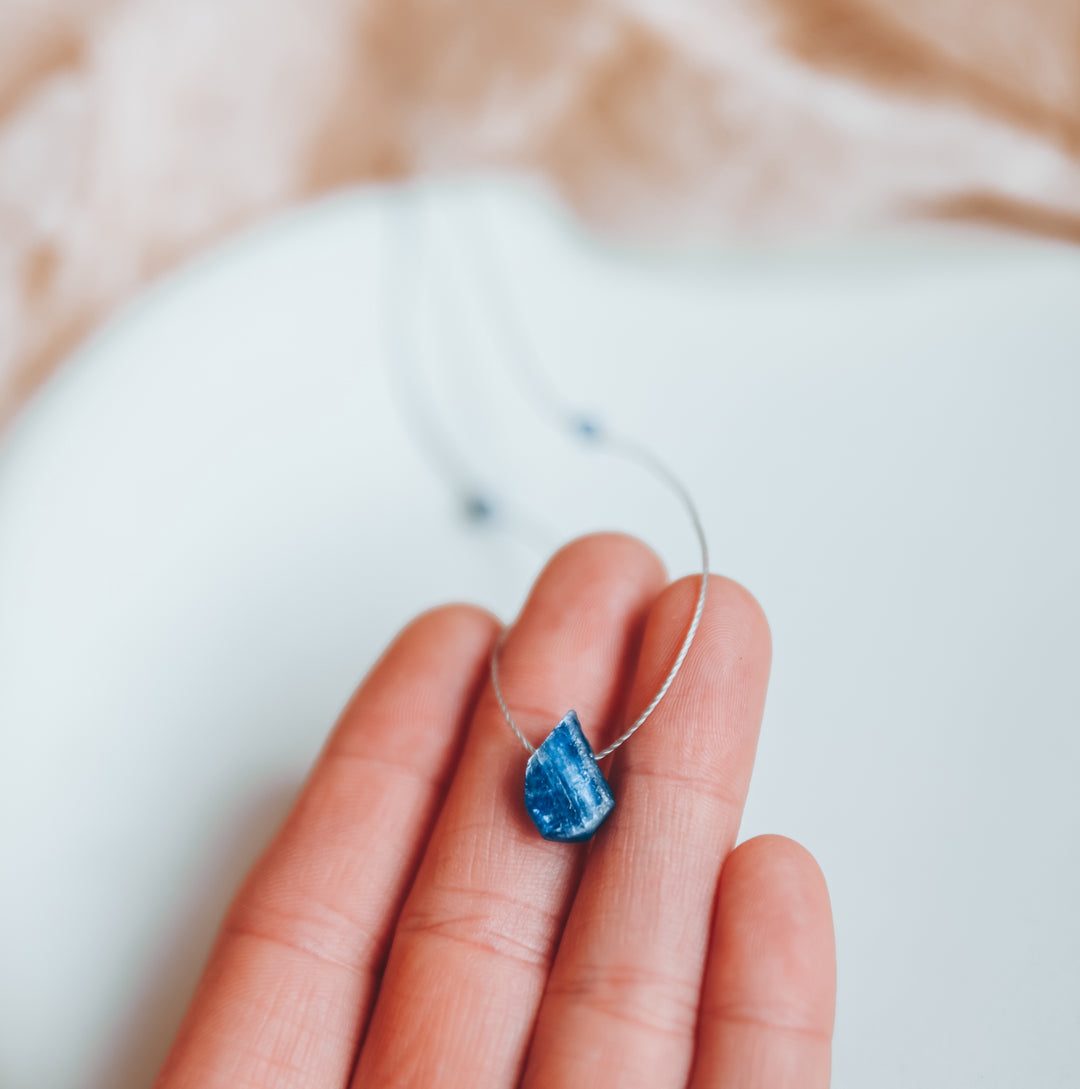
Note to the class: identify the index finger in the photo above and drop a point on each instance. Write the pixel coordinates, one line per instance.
(292, 978)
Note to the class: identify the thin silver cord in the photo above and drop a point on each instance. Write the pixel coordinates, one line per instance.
(401, 259)
(635, 452)
(644, 457)
(525, 368)
(589, 431)
(403, 248)
(529, 748)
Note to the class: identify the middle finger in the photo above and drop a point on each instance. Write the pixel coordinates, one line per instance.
(476, 937)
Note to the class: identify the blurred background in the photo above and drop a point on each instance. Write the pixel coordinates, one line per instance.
(134, 132)
(284, 287)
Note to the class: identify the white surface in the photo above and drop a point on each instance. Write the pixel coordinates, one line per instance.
(213, 518)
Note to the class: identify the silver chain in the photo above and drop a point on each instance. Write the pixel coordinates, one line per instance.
(540, 392)
(640, 454)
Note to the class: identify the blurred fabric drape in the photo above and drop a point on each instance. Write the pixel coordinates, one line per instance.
(133, 132)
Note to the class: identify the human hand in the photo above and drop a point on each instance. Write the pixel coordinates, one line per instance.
(409, 927)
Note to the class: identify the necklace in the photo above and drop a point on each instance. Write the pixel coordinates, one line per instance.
(566, 794)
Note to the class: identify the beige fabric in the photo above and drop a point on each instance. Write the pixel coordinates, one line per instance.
(133, 132)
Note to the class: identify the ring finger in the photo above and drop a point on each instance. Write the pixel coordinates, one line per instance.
(621, 1005)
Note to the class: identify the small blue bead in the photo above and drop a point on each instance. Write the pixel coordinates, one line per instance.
(587, 428)
(478, 508)
(566, 793)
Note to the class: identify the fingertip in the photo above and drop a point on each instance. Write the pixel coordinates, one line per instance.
(736, 600)
(453, 631)
(712, 713)
(604, 585)
(733, 626)
(781, 854)
(447, 646)
(453, 620)
(774, 934)
(766, 1016)
(608, 552)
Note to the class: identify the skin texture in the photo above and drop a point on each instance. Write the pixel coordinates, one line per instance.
(408, 927)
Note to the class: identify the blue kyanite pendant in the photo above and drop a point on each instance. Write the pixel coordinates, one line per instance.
(566, 793)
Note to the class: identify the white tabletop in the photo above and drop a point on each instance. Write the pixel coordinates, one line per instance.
(214, 517)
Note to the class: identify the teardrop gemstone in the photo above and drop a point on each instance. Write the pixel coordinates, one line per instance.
(566, 793)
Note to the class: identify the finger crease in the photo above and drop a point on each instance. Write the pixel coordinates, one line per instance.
(637, 997)
(479, 933)
(768, 1024)
(304, 941)
(694, 784)
(402, 768)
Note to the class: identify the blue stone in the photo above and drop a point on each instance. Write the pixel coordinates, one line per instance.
(566, 793)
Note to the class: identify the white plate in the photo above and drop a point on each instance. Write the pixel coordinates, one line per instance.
(213, 518)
